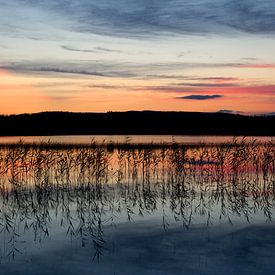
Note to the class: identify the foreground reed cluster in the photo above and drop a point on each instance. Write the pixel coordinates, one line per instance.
(87, 188)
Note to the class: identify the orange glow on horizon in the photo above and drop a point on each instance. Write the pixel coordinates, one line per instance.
(18, 95)
(28, 94)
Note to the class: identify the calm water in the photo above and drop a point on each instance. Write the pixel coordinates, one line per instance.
(84, 139)
(203, 210)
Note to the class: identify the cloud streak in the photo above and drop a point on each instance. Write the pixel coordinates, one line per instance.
(238, 90)
(95, 50)
(200, 97)
(101, 49)
(133, 70)
(73, 49)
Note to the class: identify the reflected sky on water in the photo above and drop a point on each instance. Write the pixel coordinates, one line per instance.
(178, 210)
(84, 139)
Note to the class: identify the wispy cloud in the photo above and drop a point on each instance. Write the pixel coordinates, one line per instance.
(93, 68)
(257, 66)
(207, 84)
(108, 87)
(101, 49)
(94, 50)
(216, 78)
(200, 97)
(73, 49)
(234, 90)
(144, 19)
(136, 18)
(66, 71)
(134, 70)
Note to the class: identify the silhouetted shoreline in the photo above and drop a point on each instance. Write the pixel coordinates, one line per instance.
(136, 123)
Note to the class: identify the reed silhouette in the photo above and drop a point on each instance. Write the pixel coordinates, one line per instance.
(87, 188)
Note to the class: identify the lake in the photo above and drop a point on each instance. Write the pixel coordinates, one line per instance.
(204, 209)
(84, 139)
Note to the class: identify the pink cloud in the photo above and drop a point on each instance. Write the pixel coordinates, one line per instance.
(257, 66)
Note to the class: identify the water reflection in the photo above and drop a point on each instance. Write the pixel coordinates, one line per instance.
(141, 139)
(82, 193)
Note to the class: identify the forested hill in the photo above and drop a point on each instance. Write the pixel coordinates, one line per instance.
(135, 122)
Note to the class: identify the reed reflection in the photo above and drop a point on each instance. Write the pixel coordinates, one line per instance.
(90, 188)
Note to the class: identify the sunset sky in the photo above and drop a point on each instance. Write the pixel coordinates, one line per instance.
(106, 55)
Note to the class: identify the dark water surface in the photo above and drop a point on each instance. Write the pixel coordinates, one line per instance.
(178, 210)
